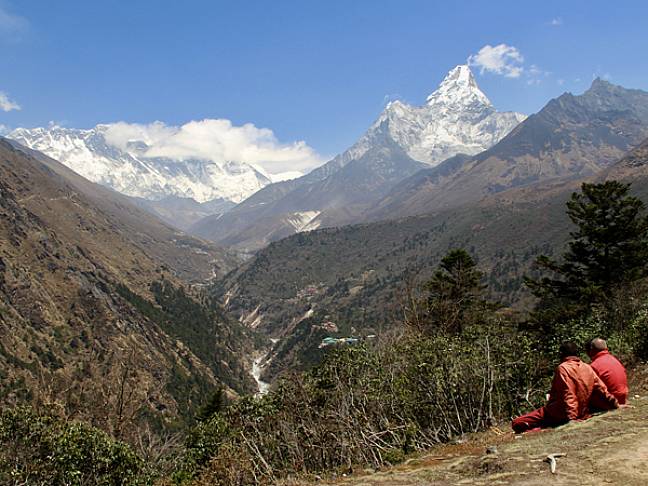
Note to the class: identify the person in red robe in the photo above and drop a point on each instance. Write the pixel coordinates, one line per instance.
(609, 369)
(574, 386)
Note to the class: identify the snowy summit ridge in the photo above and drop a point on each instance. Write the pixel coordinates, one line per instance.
(456, 118)
(130, 171)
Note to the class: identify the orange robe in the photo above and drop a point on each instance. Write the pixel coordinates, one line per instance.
(575, 385)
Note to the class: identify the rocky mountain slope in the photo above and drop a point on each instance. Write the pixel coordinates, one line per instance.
(571, 137)
(92, 301)
(631, 168)
(348, 281)
(189, 258)
(457, 118)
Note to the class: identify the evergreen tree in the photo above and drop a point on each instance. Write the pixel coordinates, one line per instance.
(216, 404)
(454, 290)
(608, 251)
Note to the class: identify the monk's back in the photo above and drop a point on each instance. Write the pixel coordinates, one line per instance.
(572, 388)
(610, 370)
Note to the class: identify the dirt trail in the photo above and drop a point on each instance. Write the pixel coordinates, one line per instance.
(611, 448)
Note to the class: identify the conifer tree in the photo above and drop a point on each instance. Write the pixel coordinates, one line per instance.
(454, 290)
(608, 251)
(216, 404)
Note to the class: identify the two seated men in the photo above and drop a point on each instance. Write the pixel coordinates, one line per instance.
(578, 389)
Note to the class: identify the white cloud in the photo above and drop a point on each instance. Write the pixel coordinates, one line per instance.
(560, 82)
(217, 140)
(4, 129)
(535, 71)
(500, 59)
(534, 75)
(507, 61)
(556, 22)
(6, 104)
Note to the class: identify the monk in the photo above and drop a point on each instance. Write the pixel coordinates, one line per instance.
(574, 385)
(609, 369)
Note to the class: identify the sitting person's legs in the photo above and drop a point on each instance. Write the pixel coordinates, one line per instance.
(528, 421)
(532, 420)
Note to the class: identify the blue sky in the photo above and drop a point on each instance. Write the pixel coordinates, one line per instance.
(318, 72)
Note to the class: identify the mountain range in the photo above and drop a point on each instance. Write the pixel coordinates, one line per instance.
(377, 179)
(505, 205)
(571, 137)
(88, 271)
(453, 150)
(457, 118)
(163, 185)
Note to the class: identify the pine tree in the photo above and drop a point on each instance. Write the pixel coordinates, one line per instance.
(608, 251)
(216, 404)
(454, 290)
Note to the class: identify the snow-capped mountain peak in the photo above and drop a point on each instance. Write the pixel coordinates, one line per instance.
(130, 170)
(456, 118)
(459, 88)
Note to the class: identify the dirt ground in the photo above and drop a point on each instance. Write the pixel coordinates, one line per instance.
(610, 448)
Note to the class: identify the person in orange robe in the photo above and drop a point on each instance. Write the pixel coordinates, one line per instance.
(609, 369)
(574, 385)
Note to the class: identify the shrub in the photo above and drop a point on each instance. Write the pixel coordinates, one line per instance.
(607, 253)
(628, 341)
(43, 450)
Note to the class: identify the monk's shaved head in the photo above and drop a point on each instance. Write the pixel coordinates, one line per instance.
(596, 345)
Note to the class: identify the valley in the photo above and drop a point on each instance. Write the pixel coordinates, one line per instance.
(373, 222)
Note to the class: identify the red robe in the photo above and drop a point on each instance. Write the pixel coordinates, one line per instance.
(575, 385)
(612, 373)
